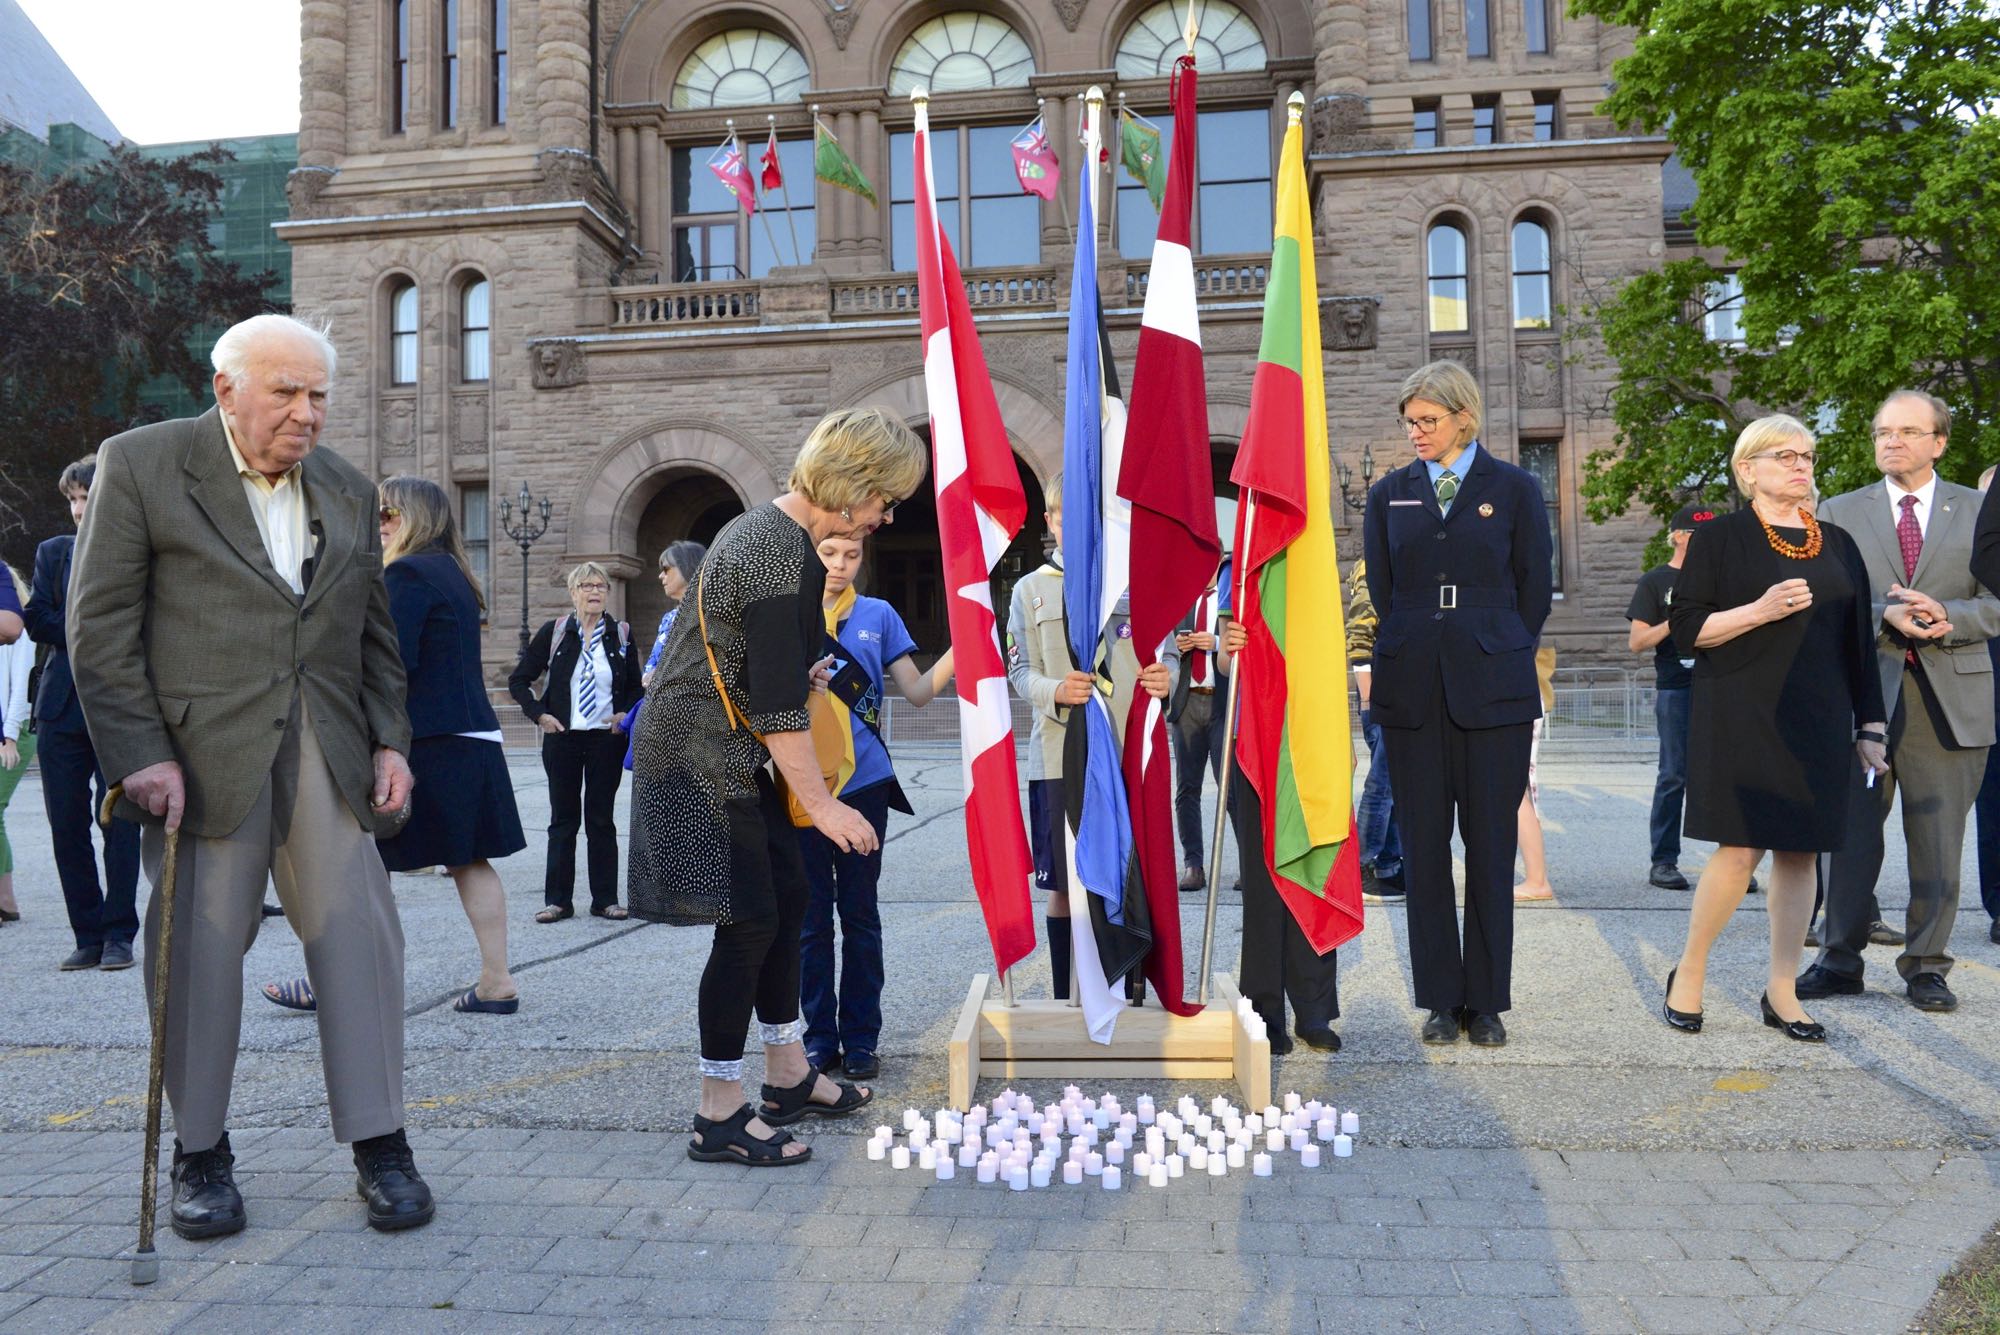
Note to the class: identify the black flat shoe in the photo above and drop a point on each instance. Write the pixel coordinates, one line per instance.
(1320, 1040)
(206, 1203)
(386, 1177)
(1805, 1031)
(1484, 1029)
(1441, 1027)
(859, 1066)
(1688, 1022)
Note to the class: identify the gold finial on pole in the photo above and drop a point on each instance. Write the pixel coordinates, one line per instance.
(1295, 108)
(1193, 28)
(921, 96)
(1094, 96)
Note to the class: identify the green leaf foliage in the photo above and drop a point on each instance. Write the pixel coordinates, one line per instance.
(1847, 162)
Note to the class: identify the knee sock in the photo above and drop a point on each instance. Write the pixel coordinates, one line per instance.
(1059, 967)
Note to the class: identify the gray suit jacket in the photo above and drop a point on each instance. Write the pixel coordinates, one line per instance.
(1958, 667)
(188, 646)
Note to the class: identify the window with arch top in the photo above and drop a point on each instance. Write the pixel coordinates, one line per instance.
(1449, 287)
(475, 330)
(403, 333)
(743, 67)
(1229, 40)
(956, 53)
(1534, 305)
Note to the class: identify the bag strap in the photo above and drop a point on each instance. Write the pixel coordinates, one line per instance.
(735, 715)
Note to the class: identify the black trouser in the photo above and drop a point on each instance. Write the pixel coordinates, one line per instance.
(754, 964)
(584, 769)
(1198, 751)
(1437, 771)
(1278, 962)
(72, 792)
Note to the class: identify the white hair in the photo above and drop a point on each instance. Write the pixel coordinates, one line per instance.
(231, 357)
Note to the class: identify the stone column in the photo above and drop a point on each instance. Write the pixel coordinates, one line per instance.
(848, 205)
(651, 241)
(1338, 112)
(562, 74)
(323, 83)
(627, 169)
(872, 243)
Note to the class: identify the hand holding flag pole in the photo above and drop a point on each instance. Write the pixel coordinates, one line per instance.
(1247, 521)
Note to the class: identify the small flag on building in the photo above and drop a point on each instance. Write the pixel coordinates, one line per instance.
(1139, 148)
(1035, 162)
(729, 167)
(774, 176)
(832, 165)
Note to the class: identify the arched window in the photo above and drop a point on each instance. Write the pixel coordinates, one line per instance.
(1228, 40)
(403, 333)
(955, 53)
(475, 331)
(1450, 297)
(744, 67)
(1534, 304)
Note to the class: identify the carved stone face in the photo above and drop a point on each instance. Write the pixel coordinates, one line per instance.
(1353, 323)
(549, 359)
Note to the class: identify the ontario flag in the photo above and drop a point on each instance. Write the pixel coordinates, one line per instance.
(1293, 742)
(1035, 162)
(729, 167)
(773, 177)
(1168, 481)
(979, 509)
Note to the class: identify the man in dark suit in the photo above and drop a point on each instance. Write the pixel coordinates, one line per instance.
(233, 648)
(1195, 711)
(1459, 568)
(1933, 622)
(1987, 807)
(103, 916)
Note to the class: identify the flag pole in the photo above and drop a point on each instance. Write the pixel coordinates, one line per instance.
(1239, 578)
(785, 192)
(765, 214)
(1041, 114)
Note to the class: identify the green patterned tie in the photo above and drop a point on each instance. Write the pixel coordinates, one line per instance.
(1447, 489)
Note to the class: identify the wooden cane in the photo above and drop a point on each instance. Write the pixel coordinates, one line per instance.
(145, 1261)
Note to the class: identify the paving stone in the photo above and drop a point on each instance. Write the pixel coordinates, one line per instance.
(354, 1286)
(1392, 1279)
(494, 1291)
(1506, 1279)
(587, 1256)
(1684, 1315)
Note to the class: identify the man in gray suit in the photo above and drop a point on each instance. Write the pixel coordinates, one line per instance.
(1915, 531)
(231, 640)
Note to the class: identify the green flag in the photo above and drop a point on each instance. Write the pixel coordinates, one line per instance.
(1139, 145)
(832, 165)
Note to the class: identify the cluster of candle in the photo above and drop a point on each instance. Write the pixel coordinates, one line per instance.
(1013, 1141)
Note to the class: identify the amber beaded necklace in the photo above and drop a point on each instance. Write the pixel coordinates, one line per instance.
(1805, 551)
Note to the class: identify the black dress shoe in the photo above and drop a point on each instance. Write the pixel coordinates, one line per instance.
(1666, 876)
(1688, 1022)
(83, 957)
(1993, 932)
(1753, 887)
(272, 910)
(116, 955)
(1927, 992)
(861, 1066)
(1485, 1030)
(206, 1203)
(1805, 1031)
(386, 1177)
(1820, 981)
(1882, 934)
(1323, 1040)
(1441, 1027)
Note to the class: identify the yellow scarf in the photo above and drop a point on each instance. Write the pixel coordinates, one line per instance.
(835, 614)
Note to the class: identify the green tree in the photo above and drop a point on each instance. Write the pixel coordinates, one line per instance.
(106, 275)
(1847, 166)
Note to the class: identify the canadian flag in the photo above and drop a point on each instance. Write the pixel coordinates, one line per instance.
(979, 508)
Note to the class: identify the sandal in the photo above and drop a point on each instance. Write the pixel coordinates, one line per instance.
(477, 1004)
(296, 995)
(782, 1107)
(554, 914)
(737, 1145)
(615, 912)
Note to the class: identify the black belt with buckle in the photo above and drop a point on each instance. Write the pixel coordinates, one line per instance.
(1451, 597)
(1202, 690)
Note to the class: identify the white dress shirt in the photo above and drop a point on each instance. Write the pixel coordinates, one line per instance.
(280, 511)
(598, 665)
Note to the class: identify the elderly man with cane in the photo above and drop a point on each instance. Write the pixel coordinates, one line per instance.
(232, 646)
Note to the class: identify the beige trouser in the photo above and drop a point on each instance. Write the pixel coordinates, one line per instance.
(302, 834)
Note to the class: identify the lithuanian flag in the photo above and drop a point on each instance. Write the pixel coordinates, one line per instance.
(1294, 741)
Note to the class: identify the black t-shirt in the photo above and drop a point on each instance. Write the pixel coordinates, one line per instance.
(1651, 602)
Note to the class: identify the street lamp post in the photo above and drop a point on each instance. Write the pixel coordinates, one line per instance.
(525, 533)
(1352, 498)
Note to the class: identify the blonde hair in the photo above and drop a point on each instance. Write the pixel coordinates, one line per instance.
(1763, 434)
(427, 522)
(854, 454)
(1052, 492)
(1447, 384)
(583, 572)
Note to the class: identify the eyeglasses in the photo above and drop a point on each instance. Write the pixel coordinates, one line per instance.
(391, 512)
(1909, 435)
(1789, 458)
(592, 587)
(1423, 424)
(889, 509)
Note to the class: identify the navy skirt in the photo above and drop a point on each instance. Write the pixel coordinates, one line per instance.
(462, 809)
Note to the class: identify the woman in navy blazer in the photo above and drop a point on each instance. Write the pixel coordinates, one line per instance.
(1458, 550)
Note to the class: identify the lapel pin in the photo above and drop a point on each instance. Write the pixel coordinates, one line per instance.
(1486, 510)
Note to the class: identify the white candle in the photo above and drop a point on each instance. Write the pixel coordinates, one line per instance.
(1261, 1165)
(1158, 1177)
(1292, 1101)
(1185, 1145)
(989, 1168)
(1077, 1149)
(1100, 1119)
(1309, 1155)
(1142, 1163)
(1093, 1164)
(1299, 1141)
(1114, 1153)
(1156, 1142)
(900, 1157)
(1271, 1114)
(1146, 1112)
(968, 1155)
(1072, 1173)
(1217, 1165)
(1090, 1135)
(1327, 1128)
(1017, 1179)
(1254, 1124)
(1343, 1147)
(1124, 1137)
(1236, 1155)
(1110, 1177)
(1274, 1140)
(1312, 1110)
(1203, 1124)
(877, 1150)
(1350, 1123)
(946, 1169)
(1217, 1142)
(1198, 1158)
(1038, 1176)
(885, 1133)
(911, 1117)
(1176, 1165)
(1073, 1123)
(1034, 1124)
(927, 1159)
(1288, 1123)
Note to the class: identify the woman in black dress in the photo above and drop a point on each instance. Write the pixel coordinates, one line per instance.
(712, 840)
(1774, 607)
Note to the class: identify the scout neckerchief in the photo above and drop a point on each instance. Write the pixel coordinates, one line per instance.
(850, 692)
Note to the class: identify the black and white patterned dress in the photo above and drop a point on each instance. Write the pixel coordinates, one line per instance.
(709, 830)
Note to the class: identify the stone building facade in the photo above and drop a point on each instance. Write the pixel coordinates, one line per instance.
(504, 208)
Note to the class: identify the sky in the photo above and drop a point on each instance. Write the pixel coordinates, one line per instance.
(171, 70)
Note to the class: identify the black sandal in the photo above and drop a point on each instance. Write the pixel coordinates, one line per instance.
(738, 1145)
(782, 1107)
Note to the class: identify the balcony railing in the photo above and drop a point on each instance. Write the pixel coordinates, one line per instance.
(896, 294)
(1216, 277)
(686, 304)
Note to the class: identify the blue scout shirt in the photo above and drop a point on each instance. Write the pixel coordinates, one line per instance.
(877, 637)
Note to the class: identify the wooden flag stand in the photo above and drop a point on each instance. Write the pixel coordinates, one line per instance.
(1046, 1040)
